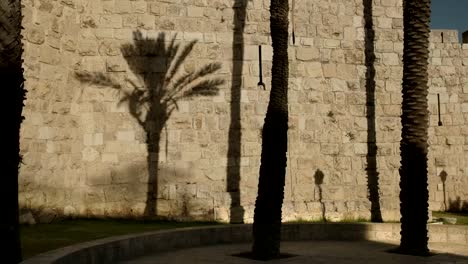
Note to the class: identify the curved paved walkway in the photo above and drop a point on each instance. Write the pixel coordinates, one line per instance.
(335, 252)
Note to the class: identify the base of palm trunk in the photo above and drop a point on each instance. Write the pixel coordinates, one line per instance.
(251, 255)
(412, 252)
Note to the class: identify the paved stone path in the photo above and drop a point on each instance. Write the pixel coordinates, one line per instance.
(335, 252)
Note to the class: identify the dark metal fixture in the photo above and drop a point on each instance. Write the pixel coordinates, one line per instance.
(438, 108)
(260, 83)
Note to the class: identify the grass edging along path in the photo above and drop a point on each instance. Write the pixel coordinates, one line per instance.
(40, 238)
(125, 247)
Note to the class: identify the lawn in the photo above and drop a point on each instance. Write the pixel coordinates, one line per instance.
(40, 238)
(462, 218)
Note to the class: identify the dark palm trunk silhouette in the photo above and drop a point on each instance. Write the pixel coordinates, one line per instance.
(154, 98)
(415, 119)
(235, 134)
(11, 74)
(372, 173)
(267, 217)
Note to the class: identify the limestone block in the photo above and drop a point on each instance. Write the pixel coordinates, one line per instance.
(308, 54)
(191, 155)
(314, 69)
(360, 148)
(392, 110)
(456, 235)
(251, 149)
(355, 98)
(329, 148)
(215, 174)
(123, 7)
(110, 157)
(139, 7)
(125, 135)
(46, 133)
(447, 70)
(331, 43)
(347, 71)
(110, 21)
(128, 173)
(384, 22)
(180, 122)
(35, 35)
(87, 47)
(129, 21)
(195, 11)
(329, 70)
(338, 85)
(69, 44)
(349, 33)
(392, 86)
(109, 48)
(116, 64)
(93, 139)
(390, 59)
(146, 22)
(389, 3)
(464, 108)
(89, 154)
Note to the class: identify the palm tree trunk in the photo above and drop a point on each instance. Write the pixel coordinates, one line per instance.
(415, 119)
(267, 217)
(11, 75)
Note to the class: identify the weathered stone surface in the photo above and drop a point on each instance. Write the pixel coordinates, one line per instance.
(47, 216)
(27, 219)
(86, 135)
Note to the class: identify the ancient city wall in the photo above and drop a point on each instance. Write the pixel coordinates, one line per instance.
(89, 65)
(448, 160)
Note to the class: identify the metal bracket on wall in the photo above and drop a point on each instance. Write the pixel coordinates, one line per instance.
(260, 83)
(438, 108)
(292, 23)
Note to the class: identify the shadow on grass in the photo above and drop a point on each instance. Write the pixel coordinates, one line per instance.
(40, 238)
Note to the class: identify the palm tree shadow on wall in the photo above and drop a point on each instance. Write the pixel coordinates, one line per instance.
(235, 136)
(318, 180)
(456, 205)
(153, 97)
(371, 158)
(443, 177)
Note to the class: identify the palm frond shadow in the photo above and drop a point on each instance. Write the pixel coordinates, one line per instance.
(152, 97)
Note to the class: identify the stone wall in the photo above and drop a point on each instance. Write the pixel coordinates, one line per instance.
(448, 160)
(85, 145)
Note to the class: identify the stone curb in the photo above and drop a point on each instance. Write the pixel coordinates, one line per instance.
(114, 249)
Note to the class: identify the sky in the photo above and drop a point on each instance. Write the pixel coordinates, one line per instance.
(450, 14)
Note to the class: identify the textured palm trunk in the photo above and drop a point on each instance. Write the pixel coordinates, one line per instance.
(11, 75)
(267, 217)
(415, 119)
